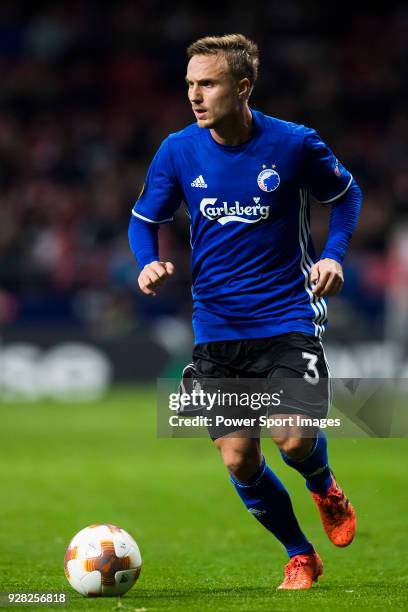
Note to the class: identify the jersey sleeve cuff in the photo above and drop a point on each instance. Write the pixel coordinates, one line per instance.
(332, 255)
(145, 260)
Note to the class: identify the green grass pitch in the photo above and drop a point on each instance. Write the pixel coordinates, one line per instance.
(64, 467)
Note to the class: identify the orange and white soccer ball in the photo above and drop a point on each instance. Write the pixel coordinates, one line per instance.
(102, 561)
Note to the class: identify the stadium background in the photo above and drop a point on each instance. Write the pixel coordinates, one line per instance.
(88, 90)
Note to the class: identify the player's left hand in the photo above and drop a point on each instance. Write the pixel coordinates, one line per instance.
(327, 276)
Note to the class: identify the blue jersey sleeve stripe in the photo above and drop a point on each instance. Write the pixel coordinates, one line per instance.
(336, 197)
(150, 220)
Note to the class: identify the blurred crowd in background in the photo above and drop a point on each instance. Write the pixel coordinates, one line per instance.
(90, 89)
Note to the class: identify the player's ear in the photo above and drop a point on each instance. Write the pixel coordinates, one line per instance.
(244, 88)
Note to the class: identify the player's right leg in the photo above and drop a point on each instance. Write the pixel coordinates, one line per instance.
(267, 499)
(261, 491)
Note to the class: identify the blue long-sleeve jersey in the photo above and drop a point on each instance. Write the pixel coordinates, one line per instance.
(250, 235)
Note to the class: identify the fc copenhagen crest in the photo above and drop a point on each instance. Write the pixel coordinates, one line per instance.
(268, 180)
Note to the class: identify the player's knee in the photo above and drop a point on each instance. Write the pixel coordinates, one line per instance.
(295, 448)
(242, 465)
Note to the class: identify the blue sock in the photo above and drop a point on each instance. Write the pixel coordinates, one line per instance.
(267, 500)
(315, 467)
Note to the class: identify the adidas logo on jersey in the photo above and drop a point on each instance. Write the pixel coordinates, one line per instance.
(199, 182)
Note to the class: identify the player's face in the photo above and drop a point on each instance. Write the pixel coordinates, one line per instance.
(212, 90)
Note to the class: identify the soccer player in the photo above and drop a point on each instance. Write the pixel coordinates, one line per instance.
(258, 288)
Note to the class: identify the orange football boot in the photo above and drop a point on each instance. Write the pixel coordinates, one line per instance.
(337, 514)
(302, 571)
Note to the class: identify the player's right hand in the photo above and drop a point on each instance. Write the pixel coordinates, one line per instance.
(153, 275)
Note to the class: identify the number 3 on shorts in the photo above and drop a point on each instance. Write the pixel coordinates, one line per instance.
(311, 367)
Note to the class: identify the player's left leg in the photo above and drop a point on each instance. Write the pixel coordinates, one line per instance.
(337, 514)
(307, 453)
(302, 357)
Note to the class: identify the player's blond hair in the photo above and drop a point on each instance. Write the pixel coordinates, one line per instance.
(240, 53)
